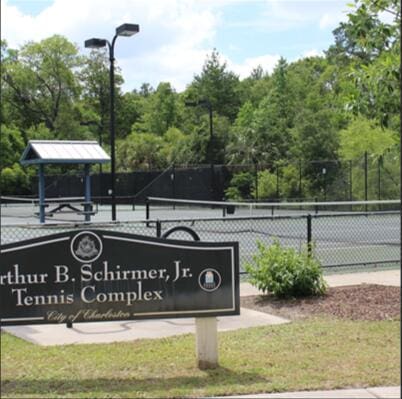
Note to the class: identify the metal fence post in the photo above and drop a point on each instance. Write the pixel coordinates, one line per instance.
(277, 181)
(300, 179)
(147, 211)
(365, 178)
(379, 178)
(158, 228)
(256, 179)
(173, 180)
(309, 235)
(87, 185)
(41, 190)
(351, 183)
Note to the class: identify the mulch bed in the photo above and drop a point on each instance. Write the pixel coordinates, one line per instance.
(357, 302)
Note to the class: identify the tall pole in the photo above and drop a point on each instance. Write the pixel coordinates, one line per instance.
(95, 43)
(365, 178)
(211, 134)
(211, 149)
(112, 129)
(41, 190)
(350, 180)
(256, 178)
(300, 178)
(87, 185)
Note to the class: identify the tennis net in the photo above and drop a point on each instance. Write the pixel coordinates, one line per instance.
(157, 206)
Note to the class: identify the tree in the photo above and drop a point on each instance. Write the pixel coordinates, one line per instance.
(364, 135)
(139, 150)
(40, 82)
(218, 85)
(176, 147)
(315, 135)
(274, 116)
(376, 89)
(131, 109)
(13, 179)
(159, 112)
(94, 78)
(370, 48)
(365, 36)
(243, 139)
(366, 138)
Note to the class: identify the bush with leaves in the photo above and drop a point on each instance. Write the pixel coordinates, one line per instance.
(267, 183)
(241, 186)
(14, 180)
(284, 272)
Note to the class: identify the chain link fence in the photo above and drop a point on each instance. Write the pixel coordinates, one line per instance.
(342, 242)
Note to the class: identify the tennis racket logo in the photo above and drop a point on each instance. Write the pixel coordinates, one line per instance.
(209, 280)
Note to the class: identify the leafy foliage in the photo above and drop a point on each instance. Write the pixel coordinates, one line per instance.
(284, 272)
(363, 135)
(240, 186)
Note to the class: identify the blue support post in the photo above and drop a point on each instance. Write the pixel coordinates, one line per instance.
(87, 182)
(41, 193)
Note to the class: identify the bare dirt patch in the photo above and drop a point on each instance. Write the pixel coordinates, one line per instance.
(357, 302)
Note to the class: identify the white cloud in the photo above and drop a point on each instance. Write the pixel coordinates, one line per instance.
(174, 38)
(325, 21)
(244, 69)
(287, 14)
(331, 21)
(312, 53)
(175, 35)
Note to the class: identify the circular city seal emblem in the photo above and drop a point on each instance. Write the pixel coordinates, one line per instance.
(86, 247)
(209, 280)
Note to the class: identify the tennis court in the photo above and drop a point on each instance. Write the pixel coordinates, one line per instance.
(344, 235)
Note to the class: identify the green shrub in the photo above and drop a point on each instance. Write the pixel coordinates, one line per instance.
(266, 185)
(284, 272)
(14, 180)
(240, 186)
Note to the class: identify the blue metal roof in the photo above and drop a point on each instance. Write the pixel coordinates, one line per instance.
(67, 152)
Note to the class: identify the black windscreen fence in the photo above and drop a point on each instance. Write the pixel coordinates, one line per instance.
(366, 178)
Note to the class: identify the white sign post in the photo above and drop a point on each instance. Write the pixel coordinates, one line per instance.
(206, 331)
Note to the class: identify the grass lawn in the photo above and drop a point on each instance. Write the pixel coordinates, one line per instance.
(305, 355)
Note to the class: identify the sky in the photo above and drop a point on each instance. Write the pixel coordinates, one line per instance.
(176, 36)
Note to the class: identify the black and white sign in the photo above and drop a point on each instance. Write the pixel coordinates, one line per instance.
(96, 275)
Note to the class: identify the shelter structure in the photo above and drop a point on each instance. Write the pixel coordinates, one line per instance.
(48, 152)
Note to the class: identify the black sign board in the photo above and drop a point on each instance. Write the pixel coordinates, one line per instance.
(97, 275)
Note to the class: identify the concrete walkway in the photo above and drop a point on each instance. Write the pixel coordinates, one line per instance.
(118, 331)
(378, 392)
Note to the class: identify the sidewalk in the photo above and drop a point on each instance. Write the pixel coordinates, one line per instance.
(379, 392)
(119, 331)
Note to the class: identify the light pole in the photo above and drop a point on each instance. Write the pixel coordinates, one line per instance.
(94, 43)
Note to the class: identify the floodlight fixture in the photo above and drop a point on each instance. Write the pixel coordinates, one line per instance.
(95, 43)
(127, 30)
